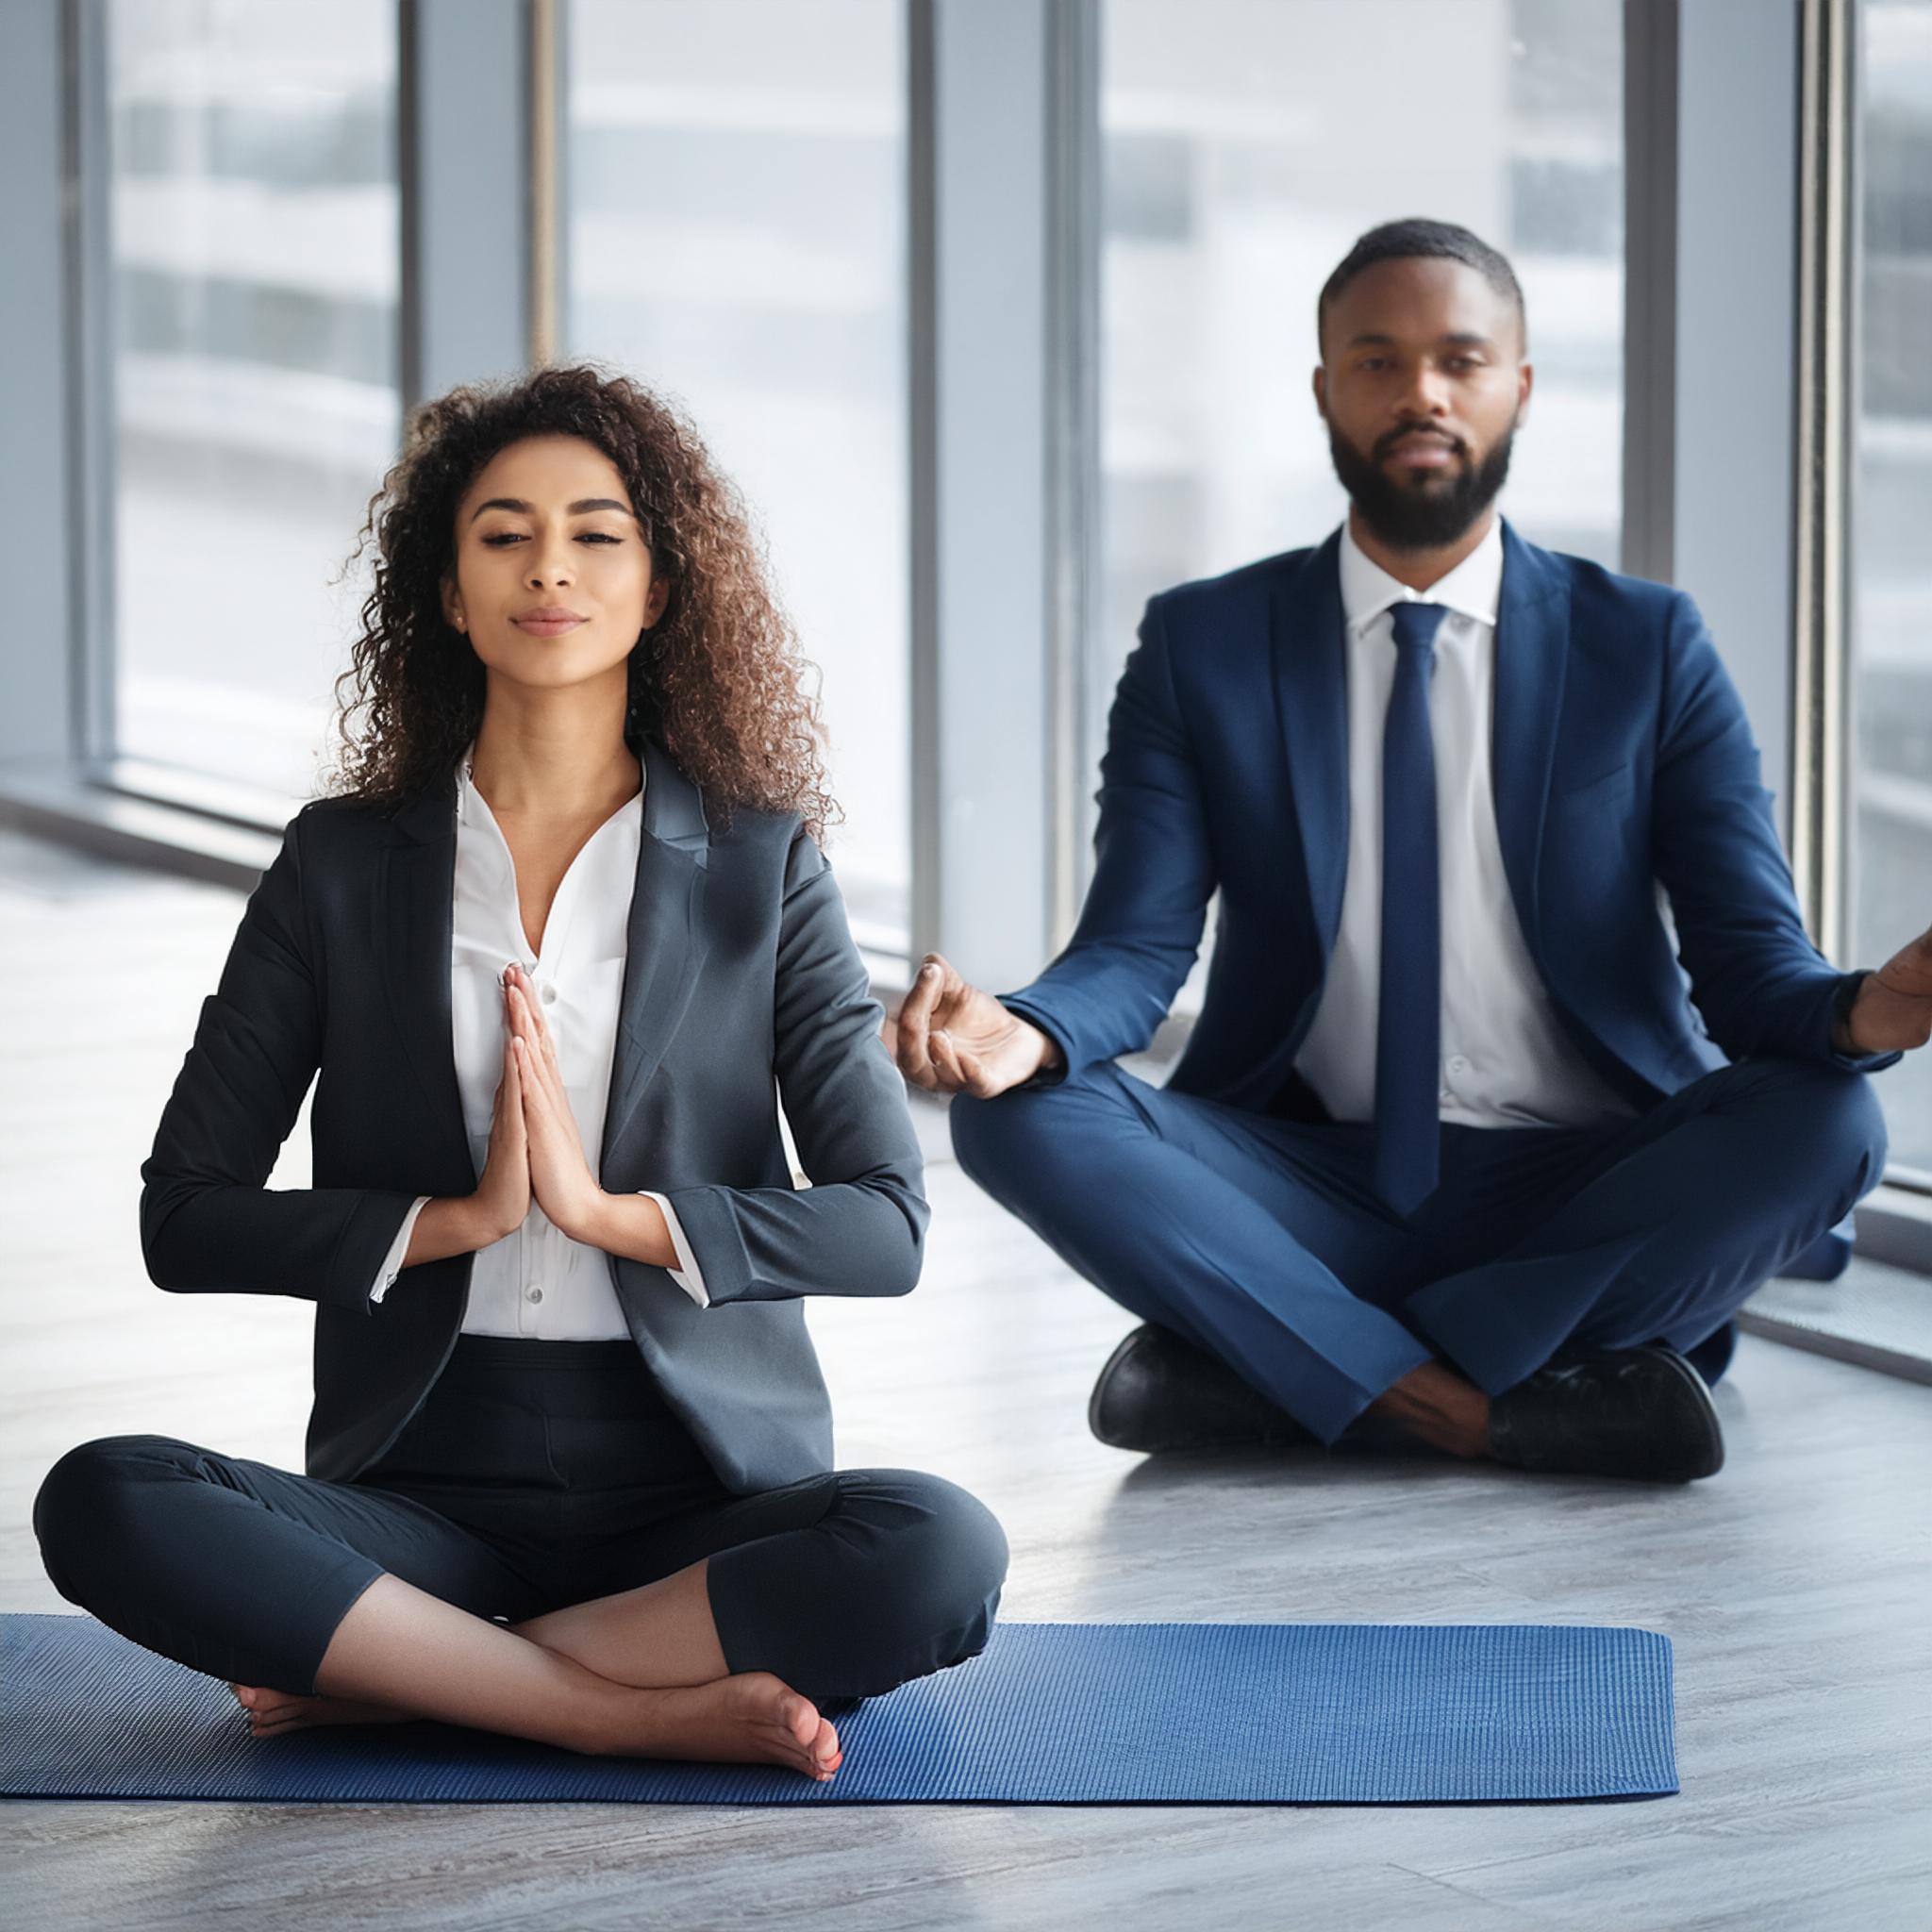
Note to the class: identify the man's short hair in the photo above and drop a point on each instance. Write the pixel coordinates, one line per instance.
(1406, 240)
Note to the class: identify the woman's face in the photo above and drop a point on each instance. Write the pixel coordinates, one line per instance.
(553, 582)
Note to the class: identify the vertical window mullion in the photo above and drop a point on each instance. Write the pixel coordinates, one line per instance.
(91, 378)
(1823, 531)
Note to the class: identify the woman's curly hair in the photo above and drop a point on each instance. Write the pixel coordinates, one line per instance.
(718, 679)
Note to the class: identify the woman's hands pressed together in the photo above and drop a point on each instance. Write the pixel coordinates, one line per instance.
(502, 1199)
(536, 1154)
(559, 1175)
(461, 1223)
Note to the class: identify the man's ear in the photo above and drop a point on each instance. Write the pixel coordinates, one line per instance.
(1525, 383)
(1321, 387)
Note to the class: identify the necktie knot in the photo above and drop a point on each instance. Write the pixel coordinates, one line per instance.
(1416, 625)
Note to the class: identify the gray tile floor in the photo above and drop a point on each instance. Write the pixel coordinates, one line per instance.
(1794, 1584)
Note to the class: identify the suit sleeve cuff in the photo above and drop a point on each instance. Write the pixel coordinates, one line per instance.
(393, 1262)
(1839, 1010)
(687, 1274)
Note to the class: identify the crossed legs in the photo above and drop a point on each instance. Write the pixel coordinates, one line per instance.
(1262, 1242)
(326, 1602)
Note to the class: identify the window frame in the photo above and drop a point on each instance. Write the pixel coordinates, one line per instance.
(1896, 1222)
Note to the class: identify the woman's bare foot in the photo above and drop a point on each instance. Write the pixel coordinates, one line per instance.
(749, 1719)
(271, 1712)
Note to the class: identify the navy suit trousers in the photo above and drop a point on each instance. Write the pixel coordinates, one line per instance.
(1262, 1240)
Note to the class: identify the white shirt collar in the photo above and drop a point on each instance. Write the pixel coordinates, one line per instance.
(1472, 590)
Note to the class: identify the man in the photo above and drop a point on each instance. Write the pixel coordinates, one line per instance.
(1453, 1151)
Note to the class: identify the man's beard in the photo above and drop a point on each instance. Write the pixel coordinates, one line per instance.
(1425, 519)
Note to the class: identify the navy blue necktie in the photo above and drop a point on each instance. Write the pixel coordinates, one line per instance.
(1408, 1022)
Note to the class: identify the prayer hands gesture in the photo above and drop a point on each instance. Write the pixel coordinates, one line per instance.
(950, 1037)
(535, 1149)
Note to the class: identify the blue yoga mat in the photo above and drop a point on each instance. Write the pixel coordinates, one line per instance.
(1050, 1714)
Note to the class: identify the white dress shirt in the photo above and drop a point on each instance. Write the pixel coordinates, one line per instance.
(1506, 1061)
(537, 1282)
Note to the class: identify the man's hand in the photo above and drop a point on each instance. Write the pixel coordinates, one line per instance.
(1892, 1011)
(950, 1037)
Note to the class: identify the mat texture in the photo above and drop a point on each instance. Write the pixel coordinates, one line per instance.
(1050, 1714)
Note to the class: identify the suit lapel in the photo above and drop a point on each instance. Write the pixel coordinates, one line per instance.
(665, 949)
(1311, 684)
(665, 945)
(1532, 647)
(416, 891)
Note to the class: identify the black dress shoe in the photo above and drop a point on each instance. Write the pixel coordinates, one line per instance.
(1641, 1412)
(1158, 1392)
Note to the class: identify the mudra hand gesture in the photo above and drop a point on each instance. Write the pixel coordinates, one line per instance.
(950, 1037)
(1894, 1008)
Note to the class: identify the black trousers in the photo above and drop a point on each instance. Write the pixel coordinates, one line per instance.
(536, 1474)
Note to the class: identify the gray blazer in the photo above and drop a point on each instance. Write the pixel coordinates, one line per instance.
(740, 968)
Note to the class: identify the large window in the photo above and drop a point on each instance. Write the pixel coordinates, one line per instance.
(736, 214)
(1891, 870)
(251, 277)
(1246, 145)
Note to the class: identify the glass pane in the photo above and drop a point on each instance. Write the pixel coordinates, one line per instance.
(737, 183)
(1247, 143)
(1891, 562)
(253, 252)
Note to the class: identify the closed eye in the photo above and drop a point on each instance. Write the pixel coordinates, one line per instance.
(501, 538)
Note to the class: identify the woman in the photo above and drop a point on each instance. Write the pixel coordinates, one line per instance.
(563, 923)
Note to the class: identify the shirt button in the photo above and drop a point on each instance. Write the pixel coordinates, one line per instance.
(1446, 1097)
(1458, 1064)
(547, 994)
(533, 1294)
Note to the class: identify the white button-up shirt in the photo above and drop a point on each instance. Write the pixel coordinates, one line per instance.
(1506, 1060)
(537, 1282)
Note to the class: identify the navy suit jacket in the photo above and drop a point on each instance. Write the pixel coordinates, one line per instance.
(1622, 761)
(739, 972)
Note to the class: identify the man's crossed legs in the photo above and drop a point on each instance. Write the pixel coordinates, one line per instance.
(1262, 1244)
